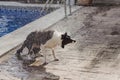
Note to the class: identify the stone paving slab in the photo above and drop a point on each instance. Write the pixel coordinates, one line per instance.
(6, 76)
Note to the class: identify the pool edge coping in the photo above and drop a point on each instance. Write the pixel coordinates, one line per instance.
(16, 4)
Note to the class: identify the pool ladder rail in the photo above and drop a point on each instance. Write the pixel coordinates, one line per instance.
(49, 2)
(47, 6)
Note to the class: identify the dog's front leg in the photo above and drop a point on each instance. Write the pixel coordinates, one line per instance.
(44, 54)
(55, 59)
(31, 55)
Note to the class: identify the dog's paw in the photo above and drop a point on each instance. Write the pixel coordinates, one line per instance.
(56, 59)
(41, 55)
(45, 63)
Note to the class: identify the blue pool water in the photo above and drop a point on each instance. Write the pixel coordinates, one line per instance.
(13, 18)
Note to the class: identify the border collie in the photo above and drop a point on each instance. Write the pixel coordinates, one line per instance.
(40, 40)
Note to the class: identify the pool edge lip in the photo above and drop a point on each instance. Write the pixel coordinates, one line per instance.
(12, 3)
(15, 38)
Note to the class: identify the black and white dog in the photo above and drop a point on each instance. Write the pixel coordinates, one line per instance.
(41, 40)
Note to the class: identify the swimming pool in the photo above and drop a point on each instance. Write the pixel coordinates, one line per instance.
(12, 18)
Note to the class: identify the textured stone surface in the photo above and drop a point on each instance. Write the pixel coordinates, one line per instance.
(95, 56)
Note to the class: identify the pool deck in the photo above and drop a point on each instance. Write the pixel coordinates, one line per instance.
(13, 39)
(95, 55)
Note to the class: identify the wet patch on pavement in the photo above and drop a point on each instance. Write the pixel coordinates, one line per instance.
(23, 71)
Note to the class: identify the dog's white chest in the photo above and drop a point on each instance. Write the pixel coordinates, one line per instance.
(54, 41)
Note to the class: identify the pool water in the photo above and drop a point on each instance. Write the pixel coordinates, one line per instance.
(12, 18)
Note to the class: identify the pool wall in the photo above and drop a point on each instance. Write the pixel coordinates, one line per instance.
(12, 18)
(15, 38)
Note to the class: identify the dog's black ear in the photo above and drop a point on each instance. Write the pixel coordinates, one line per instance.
(62, 36)
(62, 46)
(65, 33)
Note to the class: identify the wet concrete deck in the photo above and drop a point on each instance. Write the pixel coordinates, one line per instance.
(95, 56)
